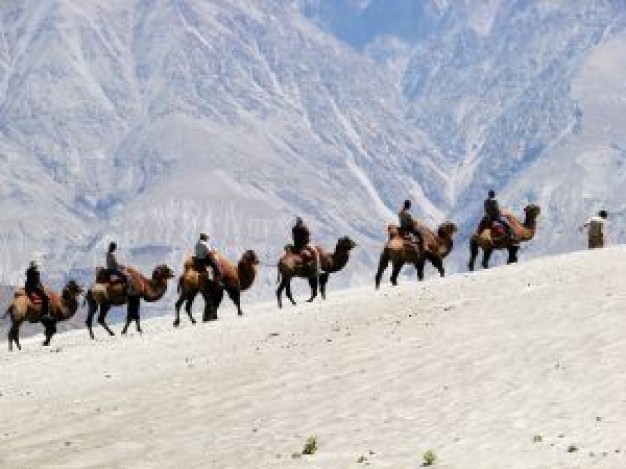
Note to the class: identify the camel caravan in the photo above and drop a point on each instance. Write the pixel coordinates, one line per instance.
(211, 275)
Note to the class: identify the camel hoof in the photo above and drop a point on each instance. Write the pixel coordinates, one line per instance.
(176, 323)
(310, 300)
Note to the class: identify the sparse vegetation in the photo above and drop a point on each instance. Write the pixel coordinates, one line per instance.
(429, 458)
(361, 459)
(537, 439)
(310, 447)
(572, 448)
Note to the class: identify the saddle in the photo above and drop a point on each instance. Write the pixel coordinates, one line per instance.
(34, 297)
(305, 255)
(103, 276)
(498, 231)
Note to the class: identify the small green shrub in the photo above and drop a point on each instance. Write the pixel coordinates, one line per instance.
(537, 439)
(429, 458)
(310, 447)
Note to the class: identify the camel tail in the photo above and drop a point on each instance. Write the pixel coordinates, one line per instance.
(277, 275)
(8, 311)
(180, 284)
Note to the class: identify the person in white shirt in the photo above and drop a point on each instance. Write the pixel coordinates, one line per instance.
(596, 230)
(205, 256)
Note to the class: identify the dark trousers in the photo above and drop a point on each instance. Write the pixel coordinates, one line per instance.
(411, 230)
(119, 273)
(209, 261)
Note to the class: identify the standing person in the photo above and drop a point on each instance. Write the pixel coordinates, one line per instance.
(596, 230)
(407, 224)
(33, 285)
(493, 214)
(205, 254)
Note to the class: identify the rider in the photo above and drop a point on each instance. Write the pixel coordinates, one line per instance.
(205, 255)
(33, 285)
(407, 224)
(113, 267)
(301, 236)
(493, 214)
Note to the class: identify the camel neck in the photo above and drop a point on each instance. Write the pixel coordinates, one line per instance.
(340, 259)
(154, 291)
(247, 273)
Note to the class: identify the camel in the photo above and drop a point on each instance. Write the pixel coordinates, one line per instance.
(104, 294)
(236, 279)
(400, 251)
(62, 307)
(291, 265)
(522, 232)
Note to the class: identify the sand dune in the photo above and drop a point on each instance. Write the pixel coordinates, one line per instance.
(473, 367)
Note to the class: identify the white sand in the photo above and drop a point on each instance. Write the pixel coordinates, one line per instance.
(471, 366)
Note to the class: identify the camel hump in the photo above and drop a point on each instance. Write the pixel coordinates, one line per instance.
(188, 263)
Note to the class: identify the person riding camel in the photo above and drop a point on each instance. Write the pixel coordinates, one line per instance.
(596, 230)
(113, 267)
(408, 225)
(33, 287)
(205, 256)
(301, 236)
(493, 214)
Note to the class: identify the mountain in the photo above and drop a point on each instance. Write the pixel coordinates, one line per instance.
(149, 121)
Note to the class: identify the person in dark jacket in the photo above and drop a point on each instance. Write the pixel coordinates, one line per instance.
(301, 236)
(113, 267)
(33, 285)
(407, 224)
(493, 214)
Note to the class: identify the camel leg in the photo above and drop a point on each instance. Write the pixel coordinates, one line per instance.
(179, 302)
(382, 265)
(288, 292)
(486, 257)
(189, 306)
(397, 267)
(132, 313)
(512, 254)
(279, 291)
(473, 255)
(323, 282)
(235, 296)
(104, 309)
(14, 336)
(50, 330)
(437, 263)
(313, 285)
(93, 308)
(419, 267)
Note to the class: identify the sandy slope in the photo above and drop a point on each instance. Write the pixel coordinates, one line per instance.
(471, 366)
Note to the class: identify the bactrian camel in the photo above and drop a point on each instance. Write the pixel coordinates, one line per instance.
(104, 294)
(62, 307)
(292, 265)
(522, 232)
(236, 279)
(400, 251)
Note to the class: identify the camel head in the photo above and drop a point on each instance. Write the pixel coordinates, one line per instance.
(162, 273)
(72, 290)
(249, 257)
(446, 230)
(532, 211)
(345, 244)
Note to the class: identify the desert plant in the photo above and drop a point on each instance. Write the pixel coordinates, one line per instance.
(429, 458)
(310, 447)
